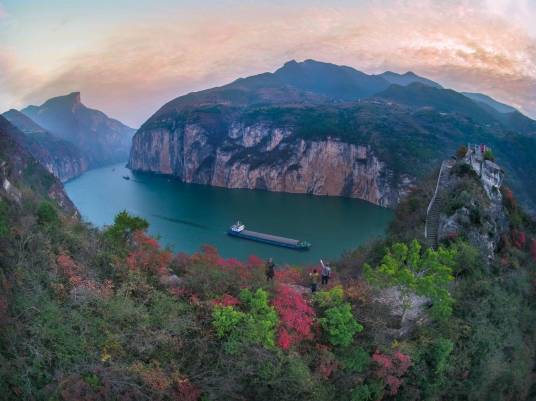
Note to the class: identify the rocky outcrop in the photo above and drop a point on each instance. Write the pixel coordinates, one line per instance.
(472, 210)
(20, 170)
(264, 156)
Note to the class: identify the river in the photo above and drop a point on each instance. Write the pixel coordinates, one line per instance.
(185, 216)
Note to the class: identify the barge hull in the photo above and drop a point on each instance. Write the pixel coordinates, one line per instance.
(267, 238)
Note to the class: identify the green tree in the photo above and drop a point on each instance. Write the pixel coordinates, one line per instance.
(425, 273)
(261, 319)
(226, 319)
(124, 225)
(47, 214)
(255, 324)
(340, 325)
(337, 319)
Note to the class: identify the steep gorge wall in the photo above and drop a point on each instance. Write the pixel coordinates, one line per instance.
(260, 156)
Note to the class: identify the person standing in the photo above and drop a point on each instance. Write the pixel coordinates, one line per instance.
(270, 269)
(314, 277)
(325, 272)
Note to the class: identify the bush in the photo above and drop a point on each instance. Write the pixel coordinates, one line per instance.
(488, 155)
(355, 360)
(47, 214)
(340, 325)
(3, 218)
(124, 226)
(255, 324)
(226, 319)
(295, 315)
(261, 319)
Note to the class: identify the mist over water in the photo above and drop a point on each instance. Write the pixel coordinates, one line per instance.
(185, 216)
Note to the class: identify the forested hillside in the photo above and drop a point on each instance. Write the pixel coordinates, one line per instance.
(110, 315)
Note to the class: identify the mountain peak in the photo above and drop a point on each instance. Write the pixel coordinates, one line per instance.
(72, 98)
(75, 97)
(407, 78)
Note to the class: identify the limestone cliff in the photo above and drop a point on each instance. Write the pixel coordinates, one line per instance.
(263, 156)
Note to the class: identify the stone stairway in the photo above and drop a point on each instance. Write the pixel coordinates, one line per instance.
(431, 226)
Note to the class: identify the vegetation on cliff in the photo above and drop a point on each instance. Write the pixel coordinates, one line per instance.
(109, 315)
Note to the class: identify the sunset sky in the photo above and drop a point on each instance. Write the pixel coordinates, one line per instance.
(129, 57)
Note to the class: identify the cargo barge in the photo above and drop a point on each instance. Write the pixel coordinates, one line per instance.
(239, 230)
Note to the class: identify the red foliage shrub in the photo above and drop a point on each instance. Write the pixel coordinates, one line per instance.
(209, 275)
(187, 391)
(295, 316)
(74, 274)
(147, 256)
(390, 368)
(357, 290)
(69, 269)
(519, 239)
(255, 262)
(290, 275)
(226, 300)
(508, 199)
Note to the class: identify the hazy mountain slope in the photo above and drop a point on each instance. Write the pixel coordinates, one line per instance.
(61, 158)
(481, 98)
(407, 79)
(101, 139)
(442, 100)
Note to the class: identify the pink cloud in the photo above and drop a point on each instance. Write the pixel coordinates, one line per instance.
(141, 66)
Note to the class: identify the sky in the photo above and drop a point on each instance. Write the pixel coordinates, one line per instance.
(128, 58)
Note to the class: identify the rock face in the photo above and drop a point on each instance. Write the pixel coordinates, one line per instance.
(59, 157)
(102, 140)
(266, 157)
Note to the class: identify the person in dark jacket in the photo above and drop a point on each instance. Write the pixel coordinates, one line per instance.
(270, 269)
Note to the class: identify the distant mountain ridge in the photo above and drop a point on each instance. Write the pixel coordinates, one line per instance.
(488, 100)
(407, 79)
(324, 129)
(101, 139)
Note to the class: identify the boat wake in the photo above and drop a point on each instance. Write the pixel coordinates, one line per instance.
(181, 221)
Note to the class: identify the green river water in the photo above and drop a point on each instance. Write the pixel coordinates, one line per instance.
(185, 216)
